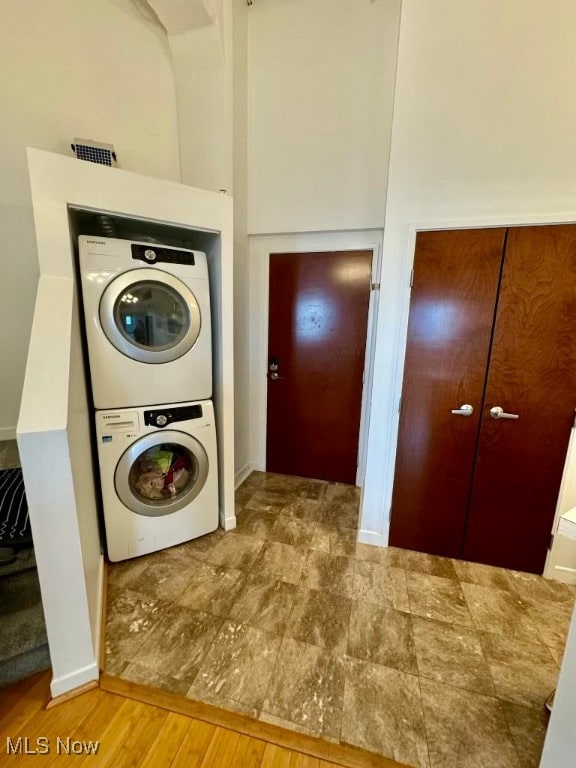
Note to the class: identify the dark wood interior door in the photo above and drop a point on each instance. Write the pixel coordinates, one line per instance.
(452, 307)
(318, 316)
(532, 374)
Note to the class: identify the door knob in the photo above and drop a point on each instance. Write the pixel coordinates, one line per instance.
(464, 410)
(274, 376)
(498, 413)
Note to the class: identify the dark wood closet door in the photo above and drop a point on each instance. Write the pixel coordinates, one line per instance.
(452, 306)
(318, 317)
(533, 374)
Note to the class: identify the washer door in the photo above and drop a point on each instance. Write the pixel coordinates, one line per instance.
(150, 315)
(161, 473)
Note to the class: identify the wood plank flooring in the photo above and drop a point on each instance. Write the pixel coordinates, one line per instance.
(131, 733)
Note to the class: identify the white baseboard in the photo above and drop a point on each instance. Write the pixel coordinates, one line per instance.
(7, 433)
(243, 473)
(69, 682)
(229, 523)
(371, 537)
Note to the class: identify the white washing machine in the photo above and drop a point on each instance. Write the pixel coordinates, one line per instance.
(159, 476)
(148, 325)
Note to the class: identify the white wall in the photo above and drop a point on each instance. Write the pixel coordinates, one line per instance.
(321, 80)
(95, 70)
(242, 308)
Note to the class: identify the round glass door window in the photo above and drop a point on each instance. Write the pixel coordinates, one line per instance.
(158, 478)
(150, 316)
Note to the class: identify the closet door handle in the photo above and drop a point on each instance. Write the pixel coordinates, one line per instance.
(498, 413)
(464, 410)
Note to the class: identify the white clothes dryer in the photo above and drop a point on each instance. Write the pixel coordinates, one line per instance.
(159, 476)
(148, 325)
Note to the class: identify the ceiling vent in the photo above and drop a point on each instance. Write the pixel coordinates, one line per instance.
(94, 152)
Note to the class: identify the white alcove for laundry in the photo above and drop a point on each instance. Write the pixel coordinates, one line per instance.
(54, 427)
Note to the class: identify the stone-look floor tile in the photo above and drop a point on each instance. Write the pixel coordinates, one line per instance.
(500, 612)
(276, 483)
(557, 652)
(320, 618)
(121, 576)
(528, 729)
(239, 664)
(290, 530)
(245, 491)
(9, 456)
(165, 578)
(437, 598)
(343, 493)
(390, 556)
(212, 589)
(552, 620)
(280, 561)
(304, 509)
(311, 489)
(235, 551)
(381, 585)
(257, 525)
(288, 725)
(341, 514)
(329, 573)
(432, 565)
(177, 646)
(206, 696)
(268, 501)
(290, 485)
(335, 541)
(264, 603)
(198, 548)
(382, 712)
(130, 620)
(465, 729)
(383, 636)
(483, 575)
(137, 673)
(307, 688)
(523, 672)
(529, 586)
(451, 654)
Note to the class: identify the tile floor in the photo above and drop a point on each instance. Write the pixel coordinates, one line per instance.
(436, 663)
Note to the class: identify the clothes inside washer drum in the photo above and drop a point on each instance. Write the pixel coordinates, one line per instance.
(161, 472)
(14, 519)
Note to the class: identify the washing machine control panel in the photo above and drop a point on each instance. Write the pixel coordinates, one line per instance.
(154, 254)
(165, 416)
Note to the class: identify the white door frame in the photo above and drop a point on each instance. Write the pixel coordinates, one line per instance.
(261, 249)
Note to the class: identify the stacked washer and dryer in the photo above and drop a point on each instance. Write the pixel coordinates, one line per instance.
(148, 330)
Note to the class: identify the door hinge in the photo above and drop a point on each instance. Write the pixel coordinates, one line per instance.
(374, 286)
(400, 404)
(411, 278)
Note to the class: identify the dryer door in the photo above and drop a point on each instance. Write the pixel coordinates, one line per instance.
(150, 315)
(161, 473)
